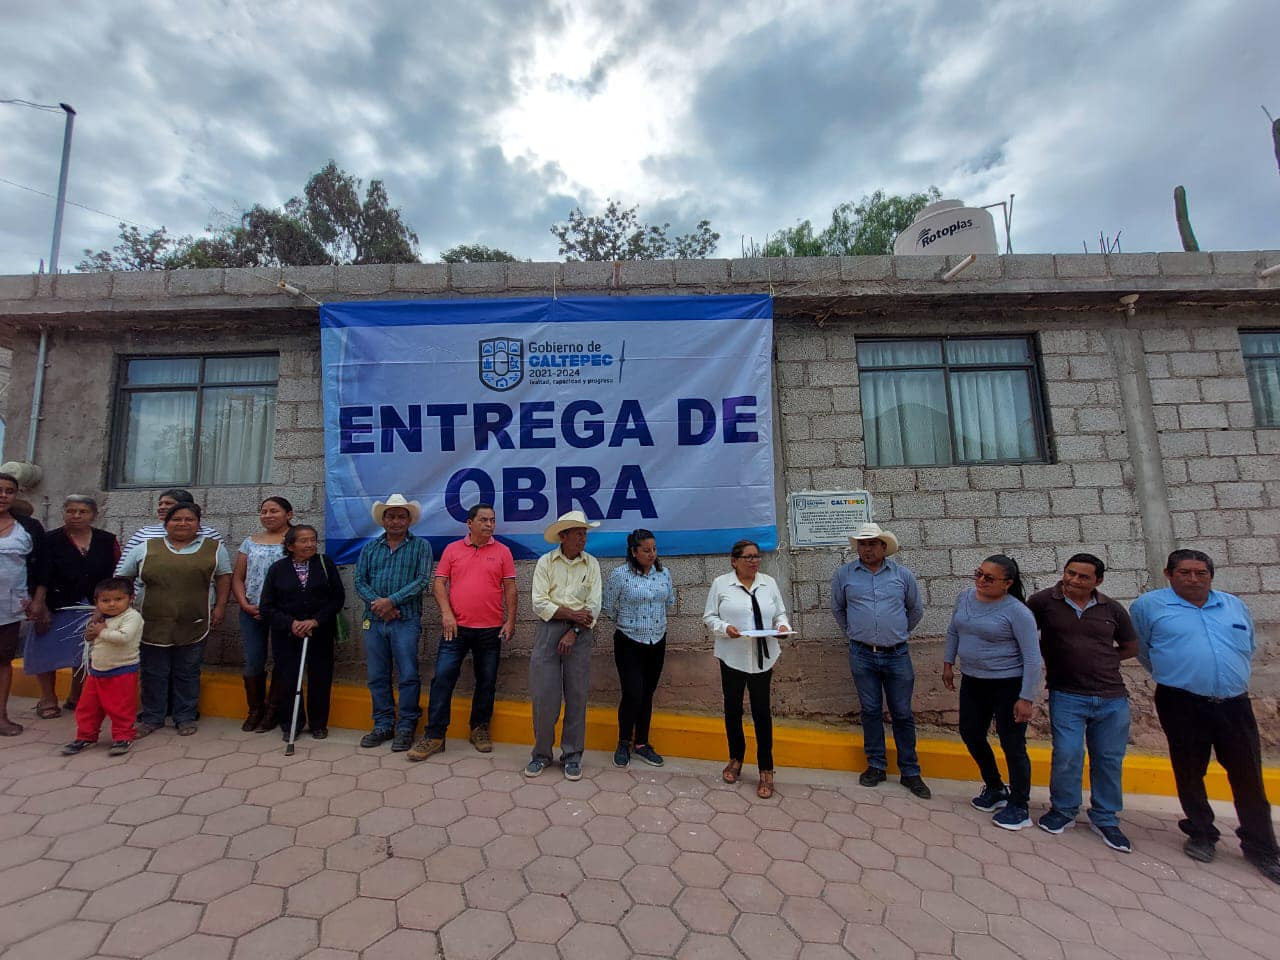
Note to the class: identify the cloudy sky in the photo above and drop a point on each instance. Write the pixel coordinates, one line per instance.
(488, 122)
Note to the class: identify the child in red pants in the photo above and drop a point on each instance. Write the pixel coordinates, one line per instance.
(111, 686)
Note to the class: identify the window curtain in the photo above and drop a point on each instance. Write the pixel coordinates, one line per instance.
(159, 438)
(1263, 373)
(237, 432)
(992, 413)
(904, 418)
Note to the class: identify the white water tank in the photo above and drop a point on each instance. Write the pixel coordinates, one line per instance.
(948, 226)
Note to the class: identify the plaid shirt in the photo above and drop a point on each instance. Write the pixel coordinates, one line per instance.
(400, 575)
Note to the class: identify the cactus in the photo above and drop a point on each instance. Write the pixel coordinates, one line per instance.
(1184, 219)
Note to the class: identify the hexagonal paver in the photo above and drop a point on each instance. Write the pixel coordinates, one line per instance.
(765, 938)
(418, 842)
(285, 938)
(399, 944)
(600, 901)
(30, 916)
(358, 923)
(651, 884)
(476, 935)
(541, 918)
(653, 930)
(129, 895)
(705, 911)
(593, 941)
(753, 894)
(214, 880)
(321, 894)
(260, 843)
(813, 918)
(186, 855)
(28, 879)
(392, 878)
(291, 865)
(430, 906)
(242, 910)
(454, 864)
(83, 844)
(235, 820)
(557, 875)
(143, 934)
(607, 863)
(495, 889)
(324, 832)
(213, 801)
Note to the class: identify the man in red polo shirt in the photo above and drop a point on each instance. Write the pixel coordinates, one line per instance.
(475, 587)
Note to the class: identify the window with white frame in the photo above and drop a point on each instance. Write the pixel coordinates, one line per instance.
(1262, 368)
(951, 400)
(200, 420)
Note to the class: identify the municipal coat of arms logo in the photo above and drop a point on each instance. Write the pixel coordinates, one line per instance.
(501, 363)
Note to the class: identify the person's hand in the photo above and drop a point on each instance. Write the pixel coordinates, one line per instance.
(582, 617)
(506, 631)
(782, 628)
(1022, 711)
(218, 615)
(252, 610)
(39, 613)
(449, 625)
(383, 609)
(732, 632)
(566, 643)
(948, 676)
(94, 627)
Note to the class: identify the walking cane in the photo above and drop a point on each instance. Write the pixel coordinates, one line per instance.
(297, 700)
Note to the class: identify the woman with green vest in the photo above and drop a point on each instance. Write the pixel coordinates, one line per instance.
(186, 579)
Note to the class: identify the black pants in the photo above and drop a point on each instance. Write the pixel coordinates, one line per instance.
(1194, 725)
(735, 682)
(287, 650)
(639, 667)
(982, 699)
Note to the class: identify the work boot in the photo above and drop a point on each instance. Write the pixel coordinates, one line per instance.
(481, 740)
(270, 718)
(426, 747)
(255, 690)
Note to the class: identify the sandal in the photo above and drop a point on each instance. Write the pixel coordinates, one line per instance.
(48, 711)
(732, 771)
(765, 790)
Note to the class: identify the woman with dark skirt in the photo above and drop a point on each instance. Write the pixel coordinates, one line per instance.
(636, 597)
(80, 556)
(302, 596)
(993, 634)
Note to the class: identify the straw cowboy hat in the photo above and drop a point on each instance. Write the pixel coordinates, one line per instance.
(872, 531)
(568, 521)
(398, 500)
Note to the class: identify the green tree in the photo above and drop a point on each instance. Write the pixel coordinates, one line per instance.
(618, 234)
(856, 229)
(329, 223)
(477, 253)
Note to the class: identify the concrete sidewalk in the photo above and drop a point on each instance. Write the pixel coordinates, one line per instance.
(218, 846)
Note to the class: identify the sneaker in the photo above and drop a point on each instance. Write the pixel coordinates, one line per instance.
(426, 747)
(1012, 817)
(573, 770)
(1269, 867)
(535, 767)
(990, 799)
(649, 755)
(1113, 838)
(1055, 822)
(917, 786)
(119, 748)
(319, 733)
(75, 746)
(141, 730)
(1201, 850)
(480, 739)
(376, 737)
(402, 741)
(872, 777)
(622, 756)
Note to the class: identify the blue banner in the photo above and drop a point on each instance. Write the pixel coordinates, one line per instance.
(640, 411)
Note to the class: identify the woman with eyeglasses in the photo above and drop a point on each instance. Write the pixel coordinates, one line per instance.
(994, 634)
(741, 601)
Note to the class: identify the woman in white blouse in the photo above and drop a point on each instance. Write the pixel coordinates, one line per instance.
(746, 600)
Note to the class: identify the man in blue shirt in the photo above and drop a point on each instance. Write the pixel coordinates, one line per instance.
(1197, 643)
(877, 603)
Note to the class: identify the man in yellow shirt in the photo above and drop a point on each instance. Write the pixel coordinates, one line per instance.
(566, 597)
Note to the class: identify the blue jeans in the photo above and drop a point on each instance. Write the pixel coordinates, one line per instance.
(165, 670)
(881, 676)
(485, 647)
(1101, 723)
(253, 634)
(387, 643)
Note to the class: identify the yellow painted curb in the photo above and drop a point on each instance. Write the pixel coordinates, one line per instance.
(701, 737)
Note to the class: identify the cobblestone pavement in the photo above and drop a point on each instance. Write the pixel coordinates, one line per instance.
(219, 846)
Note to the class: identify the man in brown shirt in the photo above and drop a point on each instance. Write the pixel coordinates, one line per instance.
(1084, 636)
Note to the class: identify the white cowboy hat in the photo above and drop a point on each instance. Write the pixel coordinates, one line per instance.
(872, 531)
(568, 521)
(398, 500)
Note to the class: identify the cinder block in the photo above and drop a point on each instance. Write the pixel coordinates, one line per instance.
(72, 286)
(1097, 474)
(1237, 580)
(1240, 416)
(1192, 496)
(1182, 264)
(1213, 469)
(586, 275)
(967, 503)
(1059, 340)
(890, 480)
(795, 426)
(1242, 496)
(847, 400)
(1175, 471)
(1098, 420)
(836, 427)
(1231, 443)
(1028, 266)
(1080, 449)
(1246, 262)
(994, 531)
(859, 269)
(701, 272)
(851, 453)
(1225, 390)
(1080, 265)
(1090, 368)
(1185, 526)
(988, 266)
(1189, 443)
(1224, 523)
(917, 505)
(1165, 339)
(1107, 528)
(1193, 364)
(420, 277)
(1055, 529)
(1075, 503)
(949, 532)
(1040, 476)
(1181, 390)
(926, 267)
(1157, 365)
(797, 345)
(298, 389)
(804, 400)
(364, 278)
(138, 285)
(995, 478)
(944, 478)
(23, 287)
(1202, 416)
(1066, 393)
(1118, 500)
(1259, 468)
(314, 279)
(811, 453)
(646, 273)
(812, 269)
(832, 373)
(1028, 503)
(1133, 265)
(758, 269)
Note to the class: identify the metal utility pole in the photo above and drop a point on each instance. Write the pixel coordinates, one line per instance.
(62, 186)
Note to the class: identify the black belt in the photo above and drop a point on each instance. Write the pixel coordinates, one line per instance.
(872, 647)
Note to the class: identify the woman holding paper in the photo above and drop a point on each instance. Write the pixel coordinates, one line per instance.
(746, 615)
